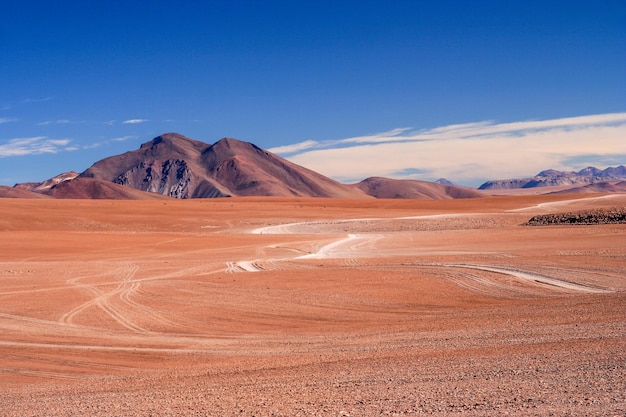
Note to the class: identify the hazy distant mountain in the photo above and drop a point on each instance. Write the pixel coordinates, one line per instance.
(444, 181)
(413, 189)
(179, 167)
(551, 177)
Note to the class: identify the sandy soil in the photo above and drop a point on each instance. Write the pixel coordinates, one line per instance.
(310, 307)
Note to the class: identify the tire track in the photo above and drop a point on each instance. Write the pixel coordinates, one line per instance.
(555, 283)
(102, 300)
(147, 312)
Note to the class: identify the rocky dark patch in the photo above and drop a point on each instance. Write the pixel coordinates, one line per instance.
(615, 215)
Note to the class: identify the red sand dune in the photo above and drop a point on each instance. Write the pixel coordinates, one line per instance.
(310, 306)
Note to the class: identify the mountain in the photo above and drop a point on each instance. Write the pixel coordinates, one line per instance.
(379, 187)
(176, 166)
(551, 177)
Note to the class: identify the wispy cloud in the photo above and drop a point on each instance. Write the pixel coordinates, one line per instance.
(124, 138)
(56, 122)
(296, 147)
(135, 121)
(7, 119)
(108, 141)
(468, 153)
(33, 146)
(36, 100)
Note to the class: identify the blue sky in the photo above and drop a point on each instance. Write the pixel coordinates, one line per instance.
(468, 90)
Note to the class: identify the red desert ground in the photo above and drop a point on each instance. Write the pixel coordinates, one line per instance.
(276, 306)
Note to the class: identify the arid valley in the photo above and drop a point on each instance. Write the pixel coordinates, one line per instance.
(271, 306)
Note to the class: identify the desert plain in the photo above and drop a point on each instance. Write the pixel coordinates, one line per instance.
(311, 307)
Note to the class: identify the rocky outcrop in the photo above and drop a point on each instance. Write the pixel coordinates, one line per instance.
(170, 177)
(599, 216)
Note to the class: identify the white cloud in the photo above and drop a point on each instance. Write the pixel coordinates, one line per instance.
(57, 122)
(36, 100)
(33, 146)
(7, 119)
(135, 121)
(108, 141)
(296, 147)
(93, 145)
(469, 153)
(124, 138)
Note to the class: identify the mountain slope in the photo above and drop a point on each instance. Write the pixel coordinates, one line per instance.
(599, 187)
(379, 187)
(13, 192)
(92, 188)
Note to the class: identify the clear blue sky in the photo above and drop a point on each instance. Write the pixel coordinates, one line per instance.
(83, 80)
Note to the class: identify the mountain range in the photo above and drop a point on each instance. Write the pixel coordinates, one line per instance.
(551, 177)
(174, 166)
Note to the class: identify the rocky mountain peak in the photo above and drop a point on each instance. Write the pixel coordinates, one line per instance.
(173, 142)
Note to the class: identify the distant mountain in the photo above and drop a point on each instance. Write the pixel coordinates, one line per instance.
(413, 189)
(444, 181)
(42, 187)
(551, 177)
(176, 166)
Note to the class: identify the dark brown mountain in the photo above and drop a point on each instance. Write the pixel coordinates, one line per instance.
(176, 166)
(413, 189)
(551, 178)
